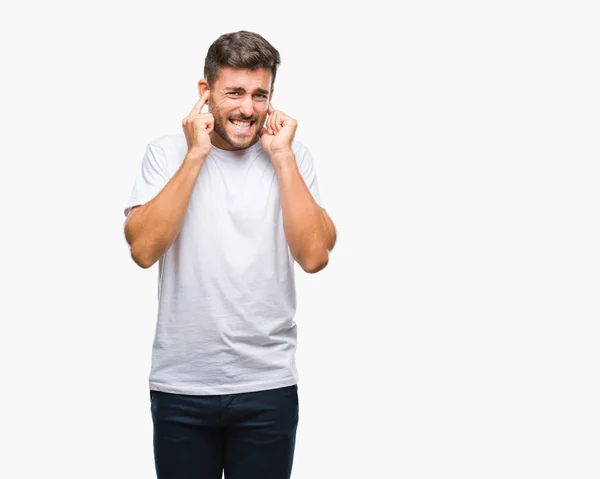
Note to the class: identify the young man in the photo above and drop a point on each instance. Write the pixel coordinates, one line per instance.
(226, 209)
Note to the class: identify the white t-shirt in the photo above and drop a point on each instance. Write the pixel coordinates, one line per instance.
(226, 292)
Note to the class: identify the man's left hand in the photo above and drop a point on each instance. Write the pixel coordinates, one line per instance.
(277, 134)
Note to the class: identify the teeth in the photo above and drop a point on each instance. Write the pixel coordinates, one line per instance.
(242, 125)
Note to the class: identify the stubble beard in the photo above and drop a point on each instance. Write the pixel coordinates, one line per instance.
(219, 129)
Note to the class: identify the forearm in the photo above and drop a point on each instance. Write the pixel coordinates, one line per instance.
(308, 230)
(152, 228)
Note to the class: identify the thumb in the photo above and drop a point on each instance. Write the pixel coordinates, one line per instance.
(263, 131)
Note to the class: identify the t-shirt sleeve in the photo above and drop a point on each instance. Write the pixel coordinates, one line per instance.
(307, 169)
(152, 177)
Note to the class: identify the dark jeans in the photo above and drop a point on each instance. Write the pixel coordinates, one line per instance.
(248, 435)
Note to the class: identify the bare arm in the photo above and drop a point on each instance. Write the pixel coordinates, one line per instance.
(309, 230)
(151, 229)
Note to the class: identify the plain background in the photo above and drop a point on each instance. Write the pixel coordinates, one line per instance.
(455, 332)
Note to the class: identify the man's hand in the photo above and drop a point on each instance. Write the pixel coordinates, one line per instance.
(277, 134)
(197, 127)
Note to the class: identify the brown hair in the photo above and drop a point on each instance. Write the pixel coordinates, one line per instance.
(240, 50)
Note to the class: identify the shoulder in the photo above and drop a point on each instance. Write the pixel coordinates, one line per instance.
(304, 158)
(166, 153)
(170, 150)
(299, 148)
(301, 152)
(170, 144)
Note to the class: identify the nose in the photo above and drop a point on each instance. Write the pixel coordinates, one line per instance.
(247, 107)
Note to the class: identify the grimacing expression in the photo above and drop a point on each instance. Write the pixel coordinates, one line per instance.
(238, 101)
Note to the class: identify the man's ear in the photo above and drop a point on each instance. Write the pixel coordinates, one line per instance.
(203, 86)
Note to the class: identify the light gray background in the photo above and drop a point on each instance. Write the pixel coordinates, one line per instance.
(455, 332)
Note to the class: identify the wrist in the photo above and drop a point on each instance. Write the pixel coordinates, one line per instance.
(283, 158)
(193, 162)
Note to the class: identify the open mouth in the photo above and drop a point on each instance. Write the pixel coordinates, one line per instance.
(242, 125)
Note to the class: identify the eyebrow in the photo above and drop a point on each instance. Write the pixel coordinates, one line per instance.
(243, 90)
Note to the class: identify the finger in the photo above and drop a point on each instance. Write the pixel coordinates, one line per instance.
(210, 124)
(278, 121)
(272, 123)
(200, 104)
(282, 120)
(205, 121)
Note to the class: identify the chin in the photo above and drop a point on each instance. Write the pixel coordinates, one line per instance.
(240, 141)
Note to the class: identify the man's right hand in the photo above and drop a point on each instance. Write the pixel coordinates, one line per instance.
(197, 127)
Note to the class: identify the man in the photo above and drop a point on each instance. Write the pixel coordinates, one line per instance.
(226, 209)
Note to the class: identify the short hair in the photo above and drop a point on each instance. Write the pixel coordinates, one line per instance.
(241, 49)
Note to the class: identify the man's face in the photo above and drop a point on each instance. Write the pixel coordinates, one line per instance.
(238, 101)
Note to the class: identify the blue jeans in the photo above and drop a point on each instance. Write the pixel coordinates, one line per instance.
(248, 435)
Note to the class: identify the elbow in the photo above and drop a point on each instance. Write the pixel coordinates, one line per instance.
(144, 264)
(314, 262)
(141, 257)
